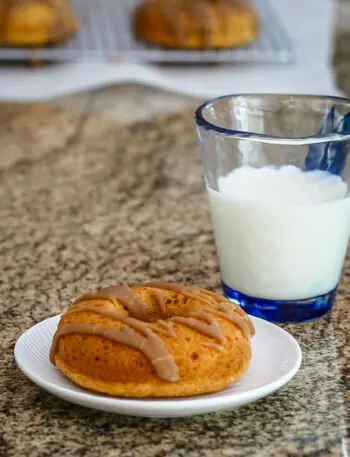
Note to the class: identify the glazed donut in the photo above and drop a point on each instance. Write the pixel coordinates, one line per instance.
(35, 23)
(153, 340)
(196, 24)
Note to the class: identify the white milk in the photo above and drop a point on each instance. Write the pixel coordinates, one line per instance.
(281, 233)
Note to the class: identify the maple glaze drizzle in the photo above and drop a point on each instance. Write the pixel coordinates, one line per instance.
(136, 307)
(209, 344)
(139, 333)
(163, 327)
(160, 300)
(209, 327)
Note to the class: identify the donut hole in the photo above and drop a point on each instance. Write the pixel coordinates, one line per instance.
(194, 356)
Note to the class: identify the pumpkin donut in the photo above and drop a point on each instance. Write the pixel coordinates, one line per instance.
(153, 340)
(196, 24)
(35, 23)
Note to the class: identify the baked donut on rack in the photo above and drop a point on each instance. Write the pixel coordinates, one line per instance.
(35, 23)
(153, 340)
(196, 24)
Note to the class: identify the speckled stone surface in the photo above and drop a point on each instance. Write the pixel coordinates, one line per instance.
(341, 59)
(86, 203)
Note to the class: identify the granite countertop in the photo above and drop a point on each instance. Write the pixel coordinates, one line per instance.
(85, 203)
(341, 58)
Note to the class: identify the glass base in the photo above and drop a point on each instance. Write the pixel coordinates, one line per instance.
(283, 311)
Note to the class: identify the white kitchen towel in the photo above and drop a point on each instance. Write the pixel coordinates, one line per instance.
(310, 24)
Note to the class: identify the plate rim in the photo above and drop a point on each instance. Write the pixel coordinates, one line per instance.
(196, 403)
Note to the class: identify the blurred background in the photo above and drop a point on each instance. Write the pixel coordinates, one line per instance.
(132, 59)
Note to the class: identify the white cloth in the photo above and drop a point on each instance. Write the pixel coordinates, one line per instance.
(309, 23)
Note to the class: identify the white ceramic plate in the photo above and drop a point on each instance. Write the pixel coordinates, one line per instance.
(276, 359)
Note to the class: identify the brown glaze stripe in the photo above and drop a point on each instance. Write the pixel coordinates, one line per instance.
(186, 291)
(233, 318)
(213, 345)
(207, 298)
(168, 327)
(163, 327)
(96, 309)
(148, 342)
(160, 299)
(208, 328)
(227, 306)
(136, 307)
(220, 299)
(155, 327)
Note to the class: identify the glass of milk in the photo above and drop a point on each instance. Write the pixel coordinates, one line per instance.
(277, 177)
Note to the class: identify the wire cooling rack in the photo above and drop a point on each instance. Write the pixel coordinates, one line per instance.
(105, 32)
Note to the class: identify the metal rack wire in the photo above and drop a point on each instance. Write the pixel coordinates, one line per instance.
(105, 32)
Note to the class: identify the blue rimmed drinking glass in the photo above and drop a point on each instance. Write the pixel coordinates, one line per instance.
(279, 261)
